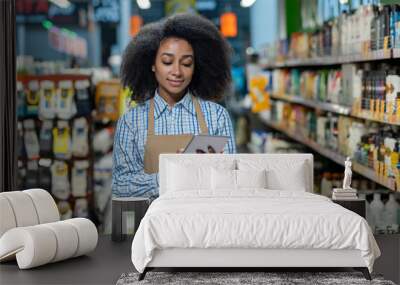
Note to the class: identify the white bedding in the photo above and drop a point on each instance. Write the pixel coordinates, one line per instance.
(252, 218)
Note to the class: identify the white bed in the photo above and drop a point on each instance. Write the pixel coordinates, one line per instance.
(202, 220)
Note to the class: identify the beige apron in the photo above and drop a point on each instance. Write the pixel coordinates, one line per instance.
(157, 144)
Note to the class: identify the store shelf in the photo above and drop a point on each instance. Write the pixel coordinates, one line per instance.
(331, 107)
(374, 119)
(333, 60)
(338, 158)
(396, 53)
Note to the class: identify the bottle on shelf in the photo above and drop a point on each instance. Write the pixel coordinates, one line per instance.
(326, 184)
(376, 206)
(390, 214)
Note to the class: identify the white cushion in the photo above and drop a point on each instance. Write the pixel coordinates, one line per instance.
(26, 208)
(223, 179)
(7, 218)
(67, 240)
(295, 182)
(189, 175)
(40, 244)
(184, 178)
(251, 178)
(45, 206)
(87, 235)
(23, 208)
(33, 246)
(282, 174)
(226, 179)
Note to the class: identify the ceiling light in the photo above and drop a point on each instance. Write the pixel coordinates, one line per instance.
(61, 3)
(247, 3)
(143, 4)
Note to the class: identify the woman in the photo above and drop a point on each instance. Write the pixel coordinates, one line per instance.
(174, 68)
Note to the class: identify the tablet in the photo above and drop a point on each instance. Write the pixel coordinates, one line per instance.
(206, 144)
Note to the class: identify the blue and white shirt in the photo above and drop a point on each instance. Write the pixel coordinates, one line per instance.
(129, 178)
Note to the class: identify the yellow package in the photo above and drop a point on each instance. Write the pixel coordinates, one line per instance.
(107, 100)
(258, 94)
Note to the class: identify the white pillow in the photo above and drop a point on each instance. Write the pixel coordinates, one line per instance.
(251, 178)
(183, 178)
(282, 174)
(223, 179)
(227, 179)
(281, 180)
(191, 174)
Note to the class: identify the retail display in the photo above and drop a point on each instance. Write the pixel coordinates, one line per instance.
(55, 123)
(369, 145)
(351, 90)
(80, 135)
(108, 96)
(66, 137)
(111, 101)
(369, 32)
(330, 86)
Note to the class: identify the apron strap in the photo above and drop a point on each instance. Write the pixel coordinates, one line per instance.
(200, 117)
(199, 114)
(150, 127)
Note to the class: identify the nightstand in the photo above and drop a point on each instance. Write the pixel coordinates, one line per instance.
(138, 205)
(357, 205)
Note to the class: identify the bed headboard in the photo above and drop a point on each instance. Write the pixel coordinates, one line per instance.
(286, 166)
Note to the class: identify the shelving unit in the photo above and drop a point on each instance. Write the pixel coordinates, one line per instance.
(78, 203)
(333, 60)
(350, 111)
(330, 107)
(332, 155)
(396, 53)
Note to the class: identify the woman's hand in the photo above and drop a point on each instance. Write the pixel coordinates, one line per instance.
(210, 149)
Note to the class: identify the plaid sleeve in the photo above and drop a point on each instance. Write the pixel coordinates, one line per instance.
(225, 129)
(128, 177)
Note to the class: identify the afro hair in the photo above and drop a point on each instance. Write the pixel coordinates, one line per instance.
(211, 75)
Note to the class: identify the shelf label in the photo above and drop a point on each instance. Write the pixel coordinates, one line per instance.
(382, 110)
(398, 110)
(372, 106)
(390, 112)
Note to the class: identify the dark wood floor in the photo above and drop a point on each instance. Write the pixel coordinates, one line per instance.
(102, 266)
(110, 259)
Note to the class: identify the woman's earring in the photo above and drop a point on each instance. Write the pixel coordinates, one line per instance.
(153, 69)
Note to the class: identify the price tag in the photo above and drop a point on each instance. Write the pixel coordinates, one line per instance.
(382, 110)
(389, 112)
(386, 44)
(376, 167)
(397, 176)
(377, 108)
(398, 111)
(385, 170)
(356, 109)
(371, 107)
